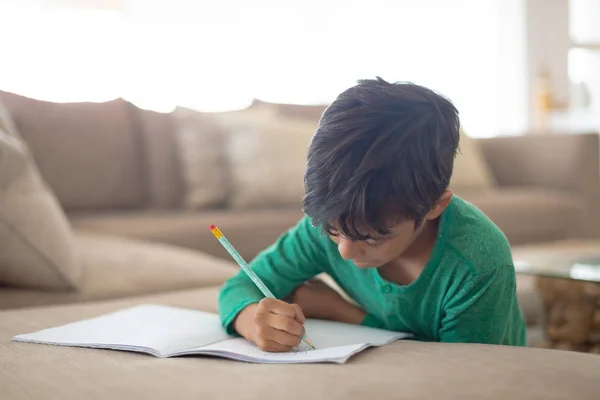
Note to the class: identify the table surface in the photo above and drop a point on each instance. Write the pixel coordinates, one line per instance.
(583, 270)
(567, 260)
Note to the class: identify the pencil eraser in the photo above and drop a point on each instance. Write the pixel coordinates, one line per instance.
(211, 227)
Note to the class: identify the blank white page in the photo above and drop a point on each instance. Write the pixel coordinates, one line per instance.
(151, 327)
(332, 334)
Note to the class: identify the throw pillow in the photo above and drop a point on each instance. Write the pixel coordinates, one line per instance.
(201, 145)
(36, 248)
(267, 162)
(471, 171)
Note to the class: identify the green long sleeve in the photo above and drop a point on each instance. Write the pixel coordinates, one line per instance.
(479, 311)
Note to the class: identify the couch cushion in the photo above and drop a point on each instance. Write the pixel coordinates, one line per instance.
(249, 231)
(267, 157)
(36, 245)
(407, 369)
(117, 267)
(308, 113)
(162, 158)
(530, 214)
(471, 171)
(88, 153)
(201, 147)
(268, 164)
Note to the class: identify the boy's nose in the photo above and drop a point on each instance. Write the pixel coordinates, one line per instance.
(349, 250)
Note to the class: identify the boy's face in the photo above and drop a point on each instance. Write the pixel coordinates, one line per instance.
(380, 250)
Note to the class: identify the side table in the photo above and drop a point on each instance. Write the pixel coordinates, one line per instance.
(568, 281)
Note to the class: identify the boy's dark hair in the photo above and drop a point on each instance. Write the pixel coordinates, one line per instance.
(381, 150)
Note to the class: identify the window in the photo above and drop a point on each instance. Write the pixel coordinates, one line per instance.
(564, 38)
(584, 61)
(221, 54)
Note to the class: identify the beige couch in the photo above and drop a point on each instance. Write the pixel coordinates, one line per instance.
(403, 370)
(115, 171)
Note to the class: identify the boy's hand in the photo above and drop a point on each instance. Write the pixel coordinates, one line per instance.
(273, 325)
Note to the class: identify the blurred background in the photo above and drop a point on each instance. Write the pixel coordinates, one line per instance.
(495, 59)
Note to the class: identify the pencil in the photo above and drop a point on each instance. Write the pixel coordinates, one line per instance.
(244, 265)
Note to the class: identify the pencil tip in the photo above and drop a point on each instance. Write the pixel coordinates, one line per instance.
(309, 343)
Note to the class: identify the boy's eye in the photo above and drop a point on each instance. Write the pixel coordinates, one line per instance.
(333, 232)
(372, 243)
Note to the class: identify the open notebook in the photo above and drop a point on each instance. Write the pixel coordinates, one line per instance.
(165, 331)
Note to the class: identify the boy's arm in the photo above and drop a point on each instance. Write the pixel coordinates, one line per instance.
(483, 309)
(296, 257)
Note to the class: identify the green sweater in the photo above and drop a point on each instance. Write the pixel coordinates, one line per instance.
(465, 293)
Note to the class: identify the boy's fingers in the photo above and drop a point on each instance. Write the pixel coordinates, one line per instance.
(281, 337)
(286, 324)
(299, 314)
(279, 307)
(271, 346)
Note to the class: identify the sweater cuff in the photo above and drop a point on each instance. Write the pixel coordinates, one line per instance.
(370, 321)
(227, 322)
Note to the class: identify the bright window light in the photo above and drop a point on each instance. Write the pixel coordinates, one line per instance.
(219, 55)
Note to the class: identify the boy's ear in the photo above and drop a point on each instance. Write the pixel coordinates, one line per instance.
(440, 205)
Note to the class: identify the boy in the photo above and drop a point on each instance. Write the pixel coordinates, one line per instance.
(382, 222)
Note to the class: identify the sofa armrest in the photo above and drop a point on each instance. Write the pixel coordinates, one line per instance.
(565, 162)
(569, 162)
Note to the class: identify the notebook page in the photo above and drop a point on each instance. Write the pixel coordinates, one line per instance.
(241, 349)
(156, 329)
(334, 342)
(331, 334)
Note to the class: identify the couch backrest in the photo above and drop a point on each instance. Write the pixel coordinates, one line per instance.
(110, 155)
(162, 165)
(90, 154)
